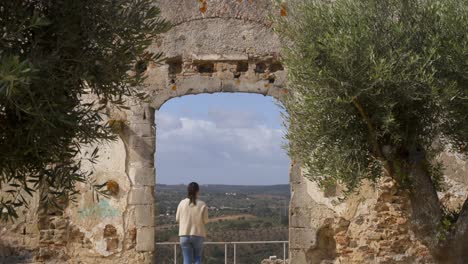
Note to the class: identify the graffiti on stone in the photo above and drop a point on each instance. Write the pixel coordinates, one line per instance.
(99, 210)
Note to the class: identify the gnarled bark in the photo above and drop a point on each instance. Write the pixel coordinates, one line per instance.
(427, 215)
(426, 208)
(457, 243)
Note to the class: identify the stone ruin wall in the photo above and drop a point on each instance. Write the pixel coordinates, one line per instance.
(228, 48)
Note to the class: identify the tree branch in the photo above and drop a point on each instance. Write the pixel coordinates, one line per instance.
(387, 165)
(370, 127)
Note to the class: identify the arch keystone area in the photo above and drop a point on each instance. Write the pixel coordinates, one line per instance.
(213, 73)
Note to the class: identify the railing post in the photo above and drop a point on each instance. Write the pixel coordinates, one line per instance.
(235, 253)
(225, 253)
(175, 253)
(284, 253)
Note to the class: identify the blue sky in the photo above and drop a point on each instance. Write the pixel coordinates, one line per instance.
(221, 139)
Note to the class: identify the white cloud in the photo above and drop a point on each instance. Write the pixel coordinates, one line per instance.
(233, 119)
(234, 144)
(167, 122)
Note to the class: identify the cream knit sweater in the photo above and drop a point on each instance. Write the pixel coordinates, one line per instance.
(192, 218)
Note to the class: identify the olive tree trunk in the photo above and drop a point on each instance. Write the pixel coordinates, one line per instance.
(427, 215)
(457, 243)
(425, 204)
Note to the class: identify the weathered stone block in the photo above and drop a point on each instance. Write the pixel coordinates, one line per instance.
(297, 256)
(144, 215)
(142, 129)
(300, 197)
(46, 236)
(300, 217)
(302, 238)
(144, 153)
(139, 111)
(31, 228)
(130, 240)
(60, 236)
(200, 83)
(142, 176)
(145, 239)
(220, 57)
(112, 244)
(137, 141)
(141, 195)
(295, 173)
(140, 163)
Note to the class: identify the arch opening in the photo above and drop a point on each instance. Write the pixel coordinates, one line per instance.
(222, 141)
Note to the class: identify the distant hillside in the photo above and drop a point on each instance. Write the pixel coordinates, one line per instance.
(279, 189)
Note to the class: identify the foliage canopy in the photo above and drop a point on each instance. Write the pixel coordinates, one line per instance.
(52, 54)
(374, 83)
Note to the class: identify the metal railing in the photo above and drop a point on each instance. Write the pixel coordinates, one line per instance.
(234, 244)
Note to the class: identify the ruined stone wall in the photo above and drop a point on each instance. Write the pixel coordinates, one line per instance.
(214, 46)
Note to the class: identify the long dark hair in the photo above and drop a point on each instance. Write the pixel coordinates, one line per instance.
(192, 190)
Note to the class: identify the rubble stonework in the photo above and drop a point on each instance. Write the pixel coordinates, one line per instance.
(379, 232)
(228, 48)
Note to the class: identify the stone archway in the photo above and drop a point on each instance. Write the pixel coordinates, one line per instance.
(212, 73)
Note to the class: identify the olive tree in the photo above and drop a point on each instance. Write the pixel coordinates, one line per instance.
(52, 54)
(379, 87)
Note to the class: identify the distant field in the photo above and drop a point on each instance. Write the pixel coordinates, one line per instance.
(231, 217)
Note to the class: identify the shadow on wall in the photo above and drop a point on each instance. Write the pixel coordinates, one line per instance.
(325, 249)
(15, 255)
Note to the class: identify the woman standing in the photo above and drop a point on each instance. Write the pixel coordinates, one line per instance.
(192, 215)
